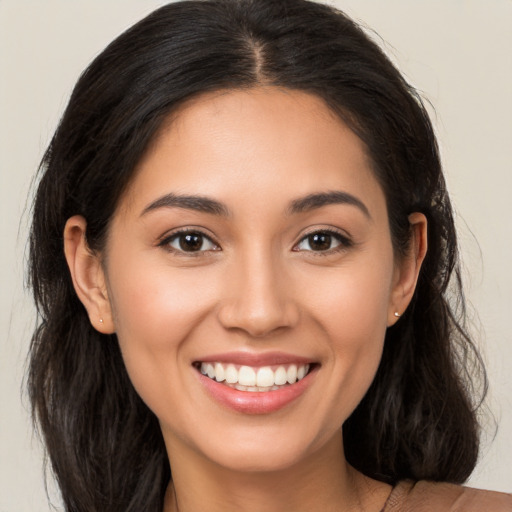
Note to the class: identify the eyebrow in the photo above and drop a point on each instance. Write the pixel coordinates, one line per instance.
(213, 207)
(188, 202)
(314, 201)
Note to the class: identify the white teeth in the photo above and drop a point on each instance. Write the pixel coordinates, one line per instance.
(280, 376)
(291, 374)
(219, 372)
(265, 377)
(254, 388)
(247, 378)
(231, 374)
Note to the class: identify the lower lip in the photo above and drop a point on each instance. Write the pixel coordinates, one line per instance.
(256, 402)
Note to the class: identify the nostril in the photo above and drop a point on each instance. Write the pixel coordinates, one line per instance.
(258, 321)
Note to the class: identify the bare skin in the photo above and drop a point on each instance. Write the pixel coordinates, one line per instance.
(324, 483)
(291, 253)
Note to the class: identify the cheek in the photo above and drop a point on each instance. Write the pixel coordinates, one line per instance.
(155, 309)
(149, 295)
(352, 309)
(352, 301)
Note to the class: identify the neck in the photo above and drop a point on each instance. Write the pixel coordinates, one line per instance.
(324, 481)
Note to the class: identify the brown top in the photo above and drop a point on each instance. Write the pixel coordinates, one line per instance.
(424, 496)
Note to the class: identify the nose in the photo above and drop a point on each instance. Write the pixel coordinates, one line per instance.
(259, 299)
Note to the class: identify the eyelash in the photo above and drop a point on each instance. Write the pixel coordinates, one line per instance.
(167, 240)
(344, 242)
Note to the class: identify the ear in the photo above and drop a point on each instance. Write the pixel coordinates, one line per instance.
(87, 275)
(408, 268)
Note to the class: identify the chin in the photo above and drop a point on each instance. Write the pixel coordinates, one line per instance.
(264, 449)
(258, 460)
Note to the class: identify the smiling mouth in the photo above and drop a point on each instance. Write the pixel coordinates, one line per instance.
(254, 379)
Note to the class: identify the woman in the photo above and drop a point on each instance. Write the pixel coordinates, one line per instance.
(245, 315)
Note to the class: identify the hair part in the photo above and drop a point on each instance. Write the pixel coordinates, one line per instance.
(106, 450)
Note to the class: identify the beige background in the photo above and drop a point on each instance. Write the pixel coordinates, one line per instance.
(458, 52)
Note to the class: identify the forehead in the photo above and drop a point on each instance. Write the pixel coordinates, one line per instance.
(262, 145)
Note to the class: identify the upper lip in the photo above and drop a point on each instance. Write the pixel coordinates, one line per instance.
(252, 359)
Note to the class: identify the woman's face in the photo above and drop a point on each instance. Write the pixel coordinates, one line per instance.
(253, 245)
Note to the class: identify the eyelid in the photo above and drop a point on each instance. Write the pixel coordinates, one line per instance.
(345, 240)
(164, 240)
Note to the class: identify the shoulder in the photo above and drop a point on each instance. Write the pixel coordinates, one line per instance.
(423, 496)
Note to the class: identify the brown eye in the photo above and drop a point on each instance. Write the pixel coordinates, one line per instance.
(322, 241)
(190, 241)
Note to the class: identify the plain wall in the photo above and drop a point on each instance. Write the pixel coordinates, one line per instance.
(457, 52)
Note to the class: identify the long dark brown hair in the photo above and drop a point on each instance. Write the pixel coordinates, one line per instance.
(105, 446)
